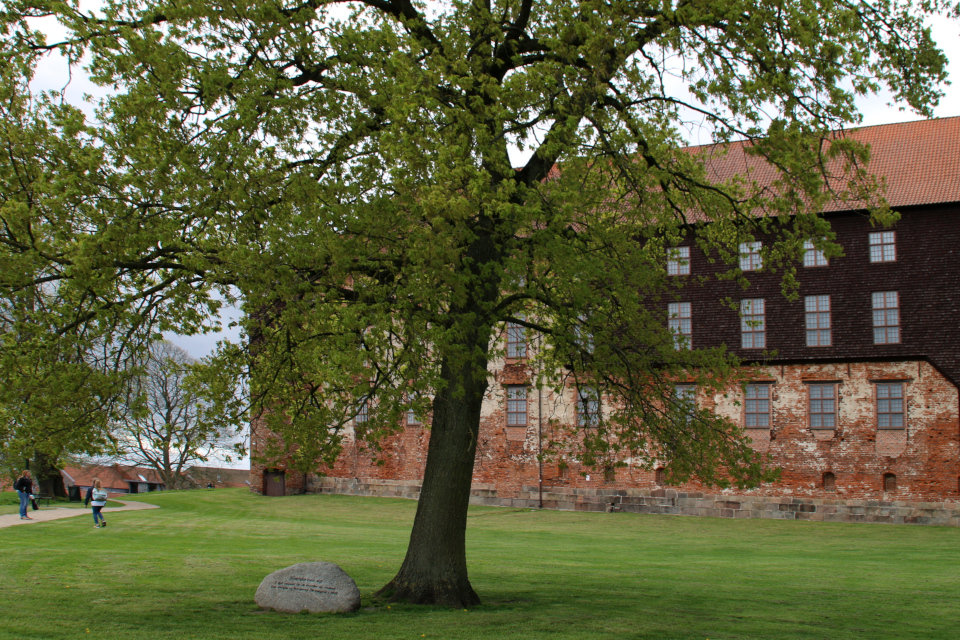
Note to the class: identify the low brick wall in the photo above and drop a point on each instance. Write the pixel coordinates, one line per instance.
(409, 489)
(669, 502)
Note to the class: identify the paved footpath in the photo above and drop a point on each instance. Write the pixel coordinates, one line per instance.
(55, 513)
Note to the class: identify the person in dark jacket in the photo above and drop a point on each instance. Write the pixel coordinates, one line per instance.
(24, 487)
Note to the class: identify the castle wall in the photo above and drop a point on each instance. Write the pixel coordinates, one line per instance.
(858, 469)
(924, 456)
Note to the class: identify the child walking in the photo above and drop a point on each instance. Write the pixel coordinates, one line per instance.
(98, 498)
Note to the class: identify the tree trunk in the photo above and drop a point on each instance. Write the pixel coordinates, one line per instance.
(435, 568)
(48, 477)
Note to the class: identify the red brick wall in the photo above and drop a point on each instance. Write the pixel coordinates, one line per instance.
(923, 456)
(259, 437)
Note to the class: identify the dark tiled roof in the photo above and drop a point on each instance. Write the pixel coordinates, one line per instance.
(919, 161)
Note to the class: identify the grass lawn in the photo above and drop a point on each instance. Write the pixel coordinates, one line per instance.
(190, 569)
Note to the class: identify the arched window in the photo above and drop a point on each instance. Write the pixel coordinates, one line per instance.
(658, 476)
(829, 481)
(889, 482)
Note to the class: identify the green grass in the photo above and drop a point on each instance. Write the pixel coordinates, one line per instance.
(190, 570)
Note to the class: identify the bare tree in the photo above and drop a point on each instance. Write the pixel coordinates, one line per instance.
(169, 427)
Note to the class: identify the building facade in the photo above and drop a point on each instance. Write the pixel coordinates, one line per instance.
(851, 388)
(115, 478)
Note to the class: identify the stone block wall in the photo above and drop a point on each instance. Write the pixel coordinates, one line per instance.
(670, 502)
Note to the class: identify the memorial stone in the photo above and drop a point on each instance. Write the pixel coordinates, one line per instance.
(317, 587)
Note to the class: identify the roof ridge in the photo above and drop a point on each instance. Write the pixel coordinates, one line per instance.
(840, 130)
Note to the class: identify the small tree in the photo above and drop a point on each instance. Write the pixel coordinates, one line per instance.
(168, 426)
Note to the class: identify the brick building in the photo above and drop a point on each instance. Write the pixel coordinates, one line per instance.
(858, 404)
(115, 478)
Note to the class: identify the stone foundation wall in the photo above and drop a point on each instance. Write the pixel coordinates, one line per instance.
(669, 502)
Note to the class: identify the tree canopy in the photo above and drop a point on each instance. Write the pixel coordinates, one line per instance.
(382, 184)
(57, 396)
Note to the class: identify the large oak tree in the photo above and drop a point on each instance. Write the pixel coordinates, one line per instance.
(383, 184)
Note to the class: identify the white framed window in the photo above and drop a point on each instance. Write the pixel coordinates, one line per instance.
(584, 337)
(363, 412)
(883, 246)
(678, 261)
(753, 331)
(686, 397)
(817, 320)
(822, 405)
(516, 405)
(756, 406)
(516, 340)
(681, 324)
(412, 418)
(813, 257)
(886, 317)
(588, 407)
(891, 412)
(750, 256)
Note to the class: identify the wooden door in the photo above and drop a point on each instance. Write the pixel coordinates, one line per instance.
(274, 483)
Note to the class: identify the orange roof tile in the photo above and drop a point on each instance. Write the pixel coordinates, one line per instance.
(919, 161)
(111, 476)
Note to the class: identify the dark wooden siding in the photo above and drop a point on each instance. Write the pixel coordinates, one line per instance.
(926, 275)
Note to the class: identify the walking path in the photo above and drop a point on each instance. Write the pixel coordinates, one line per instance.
(55, 513)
